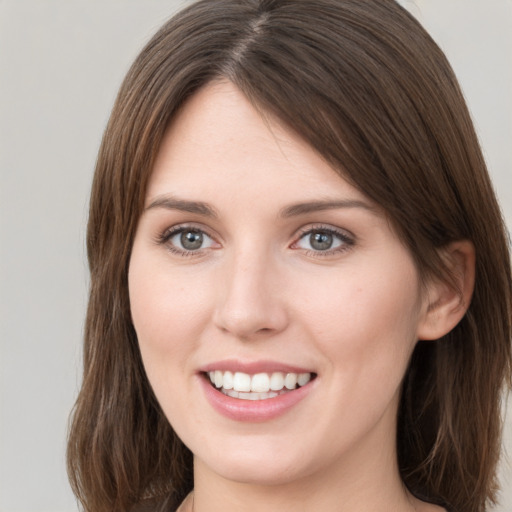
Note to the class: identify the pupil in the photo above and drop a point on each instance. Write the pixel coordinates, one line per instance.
(191, 240)
(321, 241)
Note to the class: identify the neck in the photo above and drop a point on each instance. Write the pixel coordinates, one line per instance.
(311, 496)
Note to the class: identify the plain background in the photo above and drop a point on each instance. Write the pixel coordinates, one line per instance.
(61, 63)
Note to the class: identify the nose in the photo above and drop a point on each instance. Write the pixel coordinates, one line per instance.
(251, 301)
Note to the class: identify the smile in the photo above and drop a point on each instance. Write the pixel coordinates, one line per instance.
(259, 386)
(255, 391)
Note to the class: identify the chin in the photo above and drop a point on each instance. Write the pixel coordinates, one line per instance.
(261, 473)
(255, 466)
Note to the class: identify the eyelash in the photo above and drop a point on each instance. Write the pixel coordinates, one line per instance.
(347, 240)
(168, 234)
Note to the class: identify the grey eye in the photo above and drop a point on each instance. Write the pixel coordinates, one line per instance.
(188, 239)
(191, 240)
(321, 241)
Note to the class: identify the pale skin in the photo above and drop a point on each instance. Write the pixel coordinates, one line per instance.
(256, 285)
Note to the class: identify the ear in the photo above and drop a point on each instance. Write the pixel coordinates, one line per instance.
(447, 302)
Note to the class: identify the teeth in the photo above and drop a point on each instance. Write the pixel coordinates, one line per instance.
(277, 381)
(249, 396)
(259, 386)
(290, 381)
(241, 382)
(227, 381)
(303, 378)
(260, 383)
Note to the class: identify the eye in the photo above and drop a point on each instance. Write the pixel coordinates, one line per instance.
(324, 240)
(191, 240)
(186, 240)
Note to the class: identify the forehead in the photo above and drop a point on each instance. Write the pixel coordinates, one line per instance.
(220, 143)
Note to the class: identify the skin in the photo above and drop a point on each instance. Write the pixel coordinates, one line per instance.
(258, 289)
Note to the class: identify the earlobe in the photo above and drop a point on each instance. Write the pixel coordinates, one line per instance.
(447, 301)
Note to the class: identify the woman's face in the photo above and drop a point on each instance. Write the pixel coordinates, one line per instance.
(256, 264)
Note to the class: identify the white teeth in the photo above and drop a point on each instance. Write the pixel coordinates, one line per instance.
(242, 382)
(249, 396)
(290, 381)
(227, 381)
(260, 383)
(277, 381)
(258, 386)
(303, 379)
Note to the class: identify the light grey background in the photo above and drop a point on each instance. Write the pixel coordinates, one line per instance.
(61, 63)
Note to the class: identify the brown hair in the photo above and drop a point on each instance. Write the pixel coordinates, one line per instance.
(365, 85)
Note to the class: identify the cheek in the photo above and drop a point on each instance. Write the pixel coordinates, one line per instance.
(168, 312)
(366, 320)
(365, 327)
(167, 315)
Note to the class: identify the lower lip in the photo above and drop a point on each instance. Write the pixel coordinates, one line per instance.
(253, 410)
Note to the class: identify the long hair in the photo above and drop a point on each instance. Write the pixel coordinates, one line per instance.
(363, 83)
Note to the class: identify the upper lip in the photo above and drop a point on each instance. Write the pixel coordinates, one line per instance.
(253, 367)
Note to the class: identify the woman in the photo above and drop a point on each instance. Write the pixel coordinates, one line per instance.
(300, 280)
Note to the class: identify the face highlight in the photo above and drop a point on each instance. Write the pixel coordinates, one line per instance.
(276, 310)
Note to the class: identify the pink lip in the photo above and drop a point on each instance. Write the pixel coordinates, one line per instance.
(252, 410)
(252, 367)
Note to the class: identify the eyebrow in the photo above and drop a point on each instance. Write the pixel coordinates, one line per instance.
(294, 210)
(315, 206)
(172, 203)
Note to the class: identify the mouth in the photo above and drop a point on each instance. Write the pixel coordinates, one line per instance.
(258, 386)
